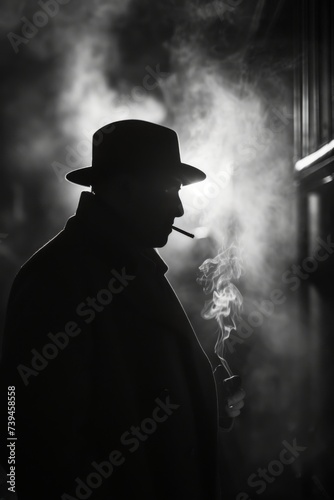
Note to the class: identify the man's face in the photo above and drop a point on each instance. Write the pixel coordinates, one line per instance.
(153, 204)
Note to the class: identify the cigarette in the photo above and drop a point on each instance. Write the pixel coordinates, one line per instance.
(183, 232)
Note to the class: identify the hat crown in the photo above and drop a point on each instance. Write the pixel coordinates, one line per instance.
(135, 145)
(129, 143)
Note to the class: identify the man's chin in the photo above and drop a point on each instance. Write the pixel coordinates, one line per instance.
(160, 245)
(158, 241)
(161, 242)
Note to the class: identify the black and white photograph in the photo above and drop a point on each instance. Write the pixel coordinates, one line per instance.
(167, 250)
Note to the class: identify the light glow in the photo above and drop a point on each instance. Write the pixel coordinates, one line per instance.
(313, 157)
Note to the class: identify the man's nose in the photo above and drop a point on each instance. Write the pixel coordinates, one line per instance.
(180, 210)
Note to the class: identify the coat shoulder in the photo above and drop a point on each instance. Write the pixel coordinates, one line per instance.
(58, 259)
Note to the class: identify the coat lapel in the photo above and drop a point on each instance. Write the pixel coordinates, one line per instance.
(152, 295)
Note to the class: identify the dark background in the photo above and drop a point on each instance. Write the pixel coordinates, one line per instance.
(248, 85)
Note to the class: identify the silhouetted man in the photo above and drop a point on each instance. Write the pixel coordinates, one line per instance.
(115, 398)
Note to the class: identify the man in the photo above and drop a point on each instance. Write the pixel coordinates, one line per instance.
(115, 398)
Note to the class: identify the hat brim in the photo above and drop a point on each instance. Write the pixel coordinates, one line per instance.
(186, 173)
(190, 175)
(81, 176)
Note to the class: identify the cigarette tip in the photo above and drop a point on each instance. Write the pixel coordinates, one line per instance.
(190, 235)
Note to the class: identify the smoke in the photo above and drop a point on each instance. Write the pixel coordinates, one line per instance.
(225, 304)
(180, 64)
(130, 59)
(242, 141)
(192, 65)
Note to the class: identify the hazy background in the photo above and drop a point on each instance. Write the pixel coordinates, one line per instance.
(210, 71)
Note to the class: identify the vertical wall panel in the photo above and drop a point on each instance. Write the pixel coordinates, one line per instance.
(305, 97)
(313, 91)
(314, 80)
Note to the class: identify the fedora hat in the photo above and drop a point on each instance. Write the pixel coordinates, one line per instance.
(133, 145)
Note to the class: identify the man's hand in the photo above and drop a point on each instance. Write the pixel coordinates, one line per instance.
(230, 397)
(235, 403)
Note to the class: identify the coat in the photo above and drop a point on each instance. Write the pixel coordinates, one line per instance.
(115, 397)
